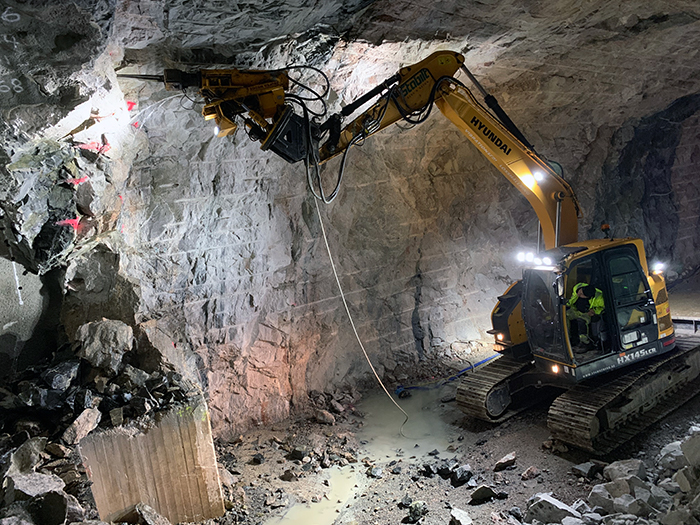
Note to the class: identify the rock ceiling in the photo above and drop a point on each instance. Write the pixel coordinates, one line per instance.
(211, 248)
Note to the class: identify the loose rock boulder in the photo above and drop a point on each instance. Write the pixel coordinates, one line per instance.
(85, 423)
(417, 510)
(624, 468)
(104, 343)
(482, 494)
(21, 486)
(460, 517)
(506, 461)
(543, 507)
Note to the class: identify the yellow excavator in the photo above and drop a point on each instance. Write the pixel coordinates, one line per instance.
(630, 372)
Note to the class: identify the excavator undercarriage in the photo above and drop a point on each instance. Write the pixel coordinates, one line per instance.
(597, 415)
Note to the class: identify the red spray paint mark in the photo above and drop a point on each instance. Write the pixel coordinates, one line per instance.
(130, 105)
(136, 124)
(121, 230)
(78, 181)
(69, 222)
(121, 198)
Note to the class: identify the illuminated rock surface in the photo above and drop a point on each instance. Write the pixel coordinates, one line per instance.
(214, 247)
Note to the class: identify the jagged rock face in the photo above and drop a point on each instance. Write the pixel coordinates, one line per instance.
(214, 248)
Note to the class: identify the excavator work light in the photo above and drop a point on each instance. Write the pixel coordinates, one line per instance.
(659, 268)
(528, 180)
(539, 176)
(555, 369)
(500, 337)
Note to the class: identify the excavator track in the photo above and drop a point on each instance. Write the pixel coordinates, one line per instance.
(601, 415)
(475, 392)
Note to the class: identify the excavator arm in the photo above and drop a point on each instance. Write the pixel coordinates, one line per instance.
(261, 99)
(410, 97)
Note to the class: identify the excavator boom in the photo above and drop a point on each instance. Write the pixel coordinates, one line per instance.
(431, 81)
(549, 195)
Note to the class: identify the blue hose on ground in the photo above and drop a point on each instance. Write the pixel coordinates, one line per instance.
(440, 382)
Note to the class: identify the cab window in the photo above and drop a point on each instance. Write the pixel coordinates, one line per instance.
(628, 284)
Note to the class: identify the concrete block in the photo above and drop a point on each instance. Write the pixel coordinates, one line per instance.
(166, 461)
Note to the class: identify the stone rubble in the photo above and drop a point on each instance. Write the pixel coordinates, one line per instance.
(632, 492)
(89, 387)
(505, 462)
(40, 473)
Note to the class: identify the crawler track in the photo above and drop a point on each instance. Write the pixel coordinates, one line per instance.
(472, 392)
(601, 415)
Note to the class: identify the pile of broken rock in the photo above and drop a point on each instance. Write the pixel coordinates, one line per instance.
(48, 409)
(668, 493)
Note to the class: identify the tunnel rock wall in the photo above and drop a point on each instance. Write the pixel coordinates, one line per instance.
(230, 256)
(213, 251)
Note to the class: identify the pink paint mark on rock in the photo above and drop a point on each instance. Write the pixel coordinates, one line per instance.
(73, 223)
(130, 104)
(78, 181)
(95, 146)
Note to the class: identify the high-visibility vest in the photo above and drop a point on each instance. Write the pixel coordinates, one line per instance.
(595, 303)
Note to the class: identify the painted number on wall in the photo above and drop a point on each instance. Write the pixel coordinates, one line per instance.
(10, 84)
(9, 16)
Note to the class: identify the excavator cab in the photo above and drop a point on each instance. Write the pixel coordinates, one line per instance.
(575, 342)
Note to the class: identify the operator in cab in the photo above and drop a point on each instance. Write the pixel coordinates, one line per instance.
(584, 307)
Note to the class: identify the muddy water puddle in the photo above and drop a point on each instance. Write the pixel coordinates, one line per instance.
(383, 441)
(341, 485)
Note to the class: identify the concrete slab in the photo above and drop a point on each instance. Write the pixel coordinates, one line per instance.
(167, 462)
